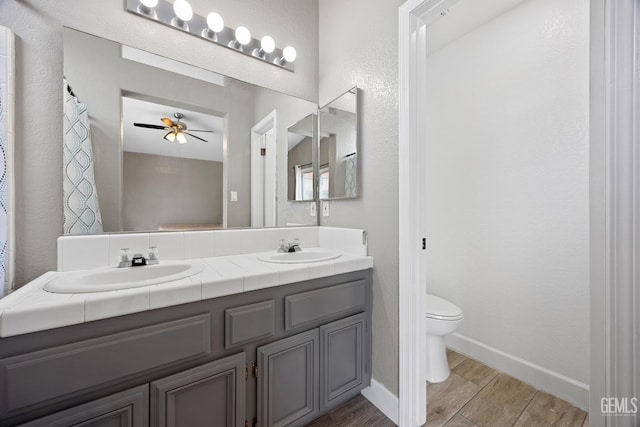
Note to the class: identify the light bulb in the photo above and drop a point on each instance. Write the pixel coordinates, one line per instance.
(181, 138)
(267, 44)
(149, 3)
(289, 54)
(243, 35)
(215, 22)
(183, 10)
(171, 136)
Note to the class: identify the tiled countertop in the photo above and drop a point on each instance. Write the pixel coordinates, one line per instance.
(31, 309)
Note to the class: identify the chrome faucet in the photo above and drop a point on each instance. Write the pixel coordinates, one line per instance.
(137, 260)
(291, 246)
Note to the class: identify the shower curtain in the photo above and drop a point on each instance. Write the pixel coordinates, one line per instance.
(7, 94)
(350, 176)
(81, 209)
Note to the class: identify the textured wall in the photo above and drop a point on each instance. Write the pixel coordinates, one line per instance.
(38, 28)
(170, 190)
(508, 182)
(359, 46)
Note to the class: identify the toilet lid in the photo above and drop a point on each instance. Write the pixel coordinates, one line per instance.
(440, 308)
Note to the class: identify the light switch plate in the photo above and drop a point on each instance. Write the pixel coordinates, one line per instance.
(234, 196)
(312, 209)
(325, 208)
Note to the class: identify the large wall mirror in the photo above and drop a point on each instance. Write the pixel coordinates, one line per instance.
(338, 153)
(193, 171)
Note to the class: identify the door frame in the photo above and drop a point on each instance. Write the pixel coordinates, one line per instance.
(614, 192)
(414, 16)
(263, 184)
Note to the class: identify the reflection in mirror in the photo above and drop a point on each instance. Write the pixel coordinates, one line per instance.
(161, 179)
(145, 178)
(300, 158)
(338, 133)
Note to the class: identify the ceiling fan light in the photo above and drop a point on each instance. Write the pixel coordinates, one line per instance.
(181, 138)
(171, 137)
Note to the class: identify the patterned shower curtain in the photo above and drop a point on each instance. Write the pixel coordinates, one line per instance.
(350, 176)
(81, 209)
(7, 72)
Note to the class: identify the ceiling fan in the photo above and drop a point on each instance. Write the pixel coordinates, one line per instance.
(177, 129)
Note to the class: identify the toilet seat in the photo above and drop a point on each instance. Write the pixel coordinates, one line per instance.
(441, 309)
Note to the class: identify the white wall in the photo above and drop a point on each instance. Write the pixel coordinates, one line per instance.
(508, 182)
(359, 46)
(38, 28)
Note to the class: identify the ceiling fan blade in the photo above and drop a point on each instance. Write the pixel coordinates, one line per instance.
(197, 137)
(195, 130)
(168, 122)
(146, 125)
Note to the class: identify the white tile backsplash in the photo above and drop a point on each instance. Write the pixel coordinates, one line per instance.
(84, 252)
(227, 243)
(170, 245)
(345, 240)
(198, 244)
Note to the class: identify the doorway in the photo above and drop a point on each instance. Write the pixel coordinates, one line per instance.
(263, 172)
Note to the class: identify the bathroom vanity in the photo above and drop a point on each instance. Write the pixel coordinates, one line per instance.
(280, 354)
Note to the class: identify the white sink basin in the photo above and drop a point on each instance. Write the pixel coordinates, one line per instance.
(112, 278)
(304, 256)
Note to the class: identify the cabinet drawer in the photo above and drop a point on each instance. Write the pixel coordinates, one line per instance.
(129, 408)
(40, 376)
(324, 304)
(248, 323)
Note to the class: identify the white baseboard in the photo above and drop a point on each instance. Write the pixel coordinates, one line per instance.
(382, 399)
(541, 378)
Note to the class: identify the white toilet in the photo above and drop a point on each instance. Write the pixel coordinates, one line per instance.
(443, 318)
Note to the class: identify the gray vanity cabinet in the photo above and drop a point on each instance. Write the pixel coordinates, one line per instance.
(278, 356)
(288, 375)
(211, 395)
(129, 408)
(342, 362)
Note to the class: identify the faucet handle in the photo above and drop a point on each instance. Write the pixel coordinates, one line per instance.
(152, 255)
(125, 255)
(283, 246)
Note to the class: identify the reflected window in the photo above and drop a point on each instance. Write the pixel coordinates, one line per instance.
(324, 182)
(304, 182)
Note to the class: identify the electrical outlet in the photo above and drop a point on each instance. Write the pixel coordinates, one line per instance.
(325, 208)
(312, 209)
(234, 196)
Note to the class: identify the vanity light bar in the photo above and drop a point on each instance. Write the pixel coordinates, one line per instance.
(239, 40)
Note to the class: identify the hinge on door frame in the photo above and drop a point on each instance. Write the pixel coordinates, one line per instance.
(246, 372)
(246, 423)
(254, 370)
(254, 422)
(263, 151)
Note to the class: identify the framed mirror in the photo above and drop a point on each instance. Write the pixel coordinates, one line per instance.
(338, 147)
(300, 175)
(174, 147)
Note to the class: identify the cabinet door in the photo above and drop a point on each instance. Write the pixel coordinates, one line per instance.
(342, 348)
(211, 395)
(129, 408)
(288, 373)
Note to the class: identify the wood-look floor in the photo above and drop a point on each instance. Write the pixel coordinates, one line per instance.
(474, 395)
(357, 412)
